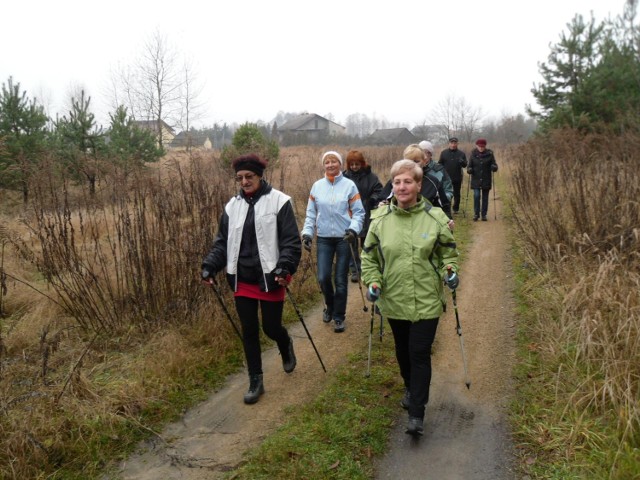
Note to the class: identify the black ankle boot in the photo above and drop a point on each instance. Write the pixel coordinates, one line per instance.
(289, 358)
(256, 388)
(415, 426)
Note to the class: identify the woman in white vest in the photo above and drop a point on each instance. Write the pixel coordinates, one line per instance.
(257, 237)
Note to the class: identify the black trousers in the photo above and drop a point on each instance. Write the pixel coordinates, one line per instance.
(456, 195)
(413, 342)
(271, 324)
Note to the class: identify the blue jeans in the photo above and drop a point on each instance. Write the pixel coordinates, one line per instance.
(476, 201)
(335, 300)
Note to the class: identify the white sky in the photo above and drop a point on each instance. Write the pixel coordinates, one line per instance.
(393, 59)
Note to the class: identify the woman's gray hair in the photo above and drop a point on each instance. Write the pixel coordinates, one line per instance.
(404, 165)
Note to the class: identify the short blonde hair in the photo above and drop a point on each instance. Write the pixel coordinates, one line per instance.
(406, 166)
(415, 153)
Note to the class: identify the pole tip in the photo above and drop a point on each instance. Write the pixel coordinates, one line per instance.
(468, 384)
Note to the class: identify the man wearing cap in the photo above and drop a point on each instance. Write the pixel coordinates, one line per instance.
(454, 160)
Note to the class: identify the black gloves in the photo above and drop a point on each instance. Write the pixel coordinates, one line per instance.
(373, 293)
(452, 280)
(494, 167)
(207, 275)
(282, 273)
(306, 242)
(350, 236)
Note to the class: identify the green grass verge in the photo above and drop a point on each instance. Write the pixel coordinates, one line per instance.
(338, 434)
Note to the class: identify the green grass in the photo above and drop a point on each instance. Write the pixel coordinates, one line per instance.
(339, 433)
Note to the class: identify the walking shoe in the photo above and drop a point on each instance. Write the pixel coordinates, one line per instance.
(484, 218)
(404, 403)
(355, 277)
(289, 358)
(256, 388)
(475, 218)
(415, 426)
(339, 326)
(326, 316)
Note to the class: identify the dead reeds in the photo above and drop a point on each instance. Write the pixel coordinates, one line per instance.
(575, 204)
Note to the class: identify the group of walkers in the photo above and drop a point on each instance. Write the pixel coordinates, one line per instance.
(404, 231)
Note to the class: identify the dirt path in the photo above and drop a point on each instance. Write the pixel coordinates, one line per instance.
(465, 430)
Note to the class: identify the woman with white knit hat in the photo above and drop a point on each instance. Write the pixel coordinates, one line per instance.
(336, 214)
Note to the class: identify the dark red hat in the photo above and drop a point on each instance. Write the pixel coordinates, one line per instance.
(482, 142)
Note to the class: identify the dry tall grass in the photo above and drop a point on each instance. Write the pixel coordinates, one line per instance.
(577, 211)
(104, 324)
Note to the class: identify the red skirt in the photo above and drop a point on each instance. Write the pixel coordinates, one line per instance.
(252, 290)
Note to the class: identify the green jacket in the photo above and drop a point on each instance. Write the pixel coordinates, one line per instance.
(406, 253)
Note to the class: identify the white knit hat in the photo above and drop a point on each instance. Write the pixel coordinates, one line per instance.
(425, 145)
(335, 154)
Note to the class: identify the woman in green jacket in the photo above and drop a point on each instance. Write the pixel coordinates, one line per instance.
(407, 255)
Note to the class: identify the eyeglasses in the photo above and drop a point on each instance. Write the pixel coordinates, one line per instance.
(248, 177)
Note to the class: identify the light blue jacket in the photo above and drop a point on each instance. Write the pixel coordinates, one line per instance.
(333, 208)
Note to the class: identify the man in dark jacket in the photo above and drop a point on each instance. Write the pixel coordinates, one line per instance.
(482, 164)
(454, 161)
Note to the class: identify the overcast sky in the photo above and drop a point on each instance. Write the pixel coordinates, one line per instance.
(393, 59)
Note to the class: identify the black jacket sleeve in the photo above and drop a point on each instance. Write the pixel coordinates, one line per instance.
(216, 259)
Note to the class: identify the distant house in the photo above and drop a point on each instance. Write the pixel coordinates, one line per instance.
(168, 134)
(392, 136)
(309, 128)
(436, 134)
(200, 140)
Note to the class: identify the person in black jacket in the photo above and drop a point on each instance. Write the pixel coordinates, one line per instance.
(369, 187)
(258, 244)
(482, 164)
(454, 160)
(432, 187)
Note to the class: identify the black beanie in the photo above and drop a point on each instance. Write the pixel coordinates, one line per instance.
(251, 162)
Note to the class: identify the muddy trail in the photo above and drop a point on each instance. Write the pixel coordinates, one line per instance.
(466, 433)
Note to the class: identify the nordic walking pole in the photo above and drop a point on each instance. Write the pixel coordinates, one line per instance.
(493, 184)
(353, 255)
(214, 286)
(381, 324)
(295, 307)
(467, 382)
(370, 336)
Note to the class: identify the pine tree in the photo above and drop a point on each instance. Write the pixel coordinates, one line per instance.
(22, 133)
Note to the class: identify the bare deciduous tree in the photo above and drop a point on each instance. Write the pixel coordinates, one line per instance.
(191, 109)
(151, 89)
(456, 117)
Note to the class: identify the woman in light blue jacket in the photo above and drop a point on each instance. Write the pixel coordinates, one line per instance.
(335, 212)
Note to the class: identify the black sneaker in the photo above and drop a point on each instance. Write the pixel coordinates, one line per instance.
(355, 277)
(339, 326)
(415, 426)
(326, 316)
(484, 218)
(404, 403)
(475, 218)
